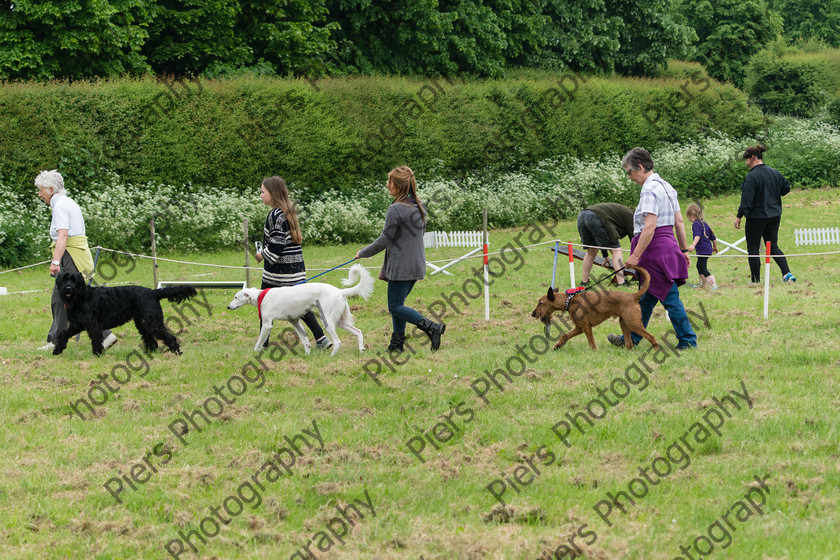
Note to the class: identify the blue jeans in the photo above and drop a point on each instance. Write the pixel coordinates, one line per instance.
(676, 312)
(398, 290)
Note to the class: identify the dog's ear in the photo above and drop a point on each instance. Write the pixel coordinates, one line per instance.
(550, 295)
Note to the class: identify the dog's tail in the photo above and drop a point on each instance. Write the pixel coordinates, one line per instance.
(178, 294)
(645, 281)
(363, 280)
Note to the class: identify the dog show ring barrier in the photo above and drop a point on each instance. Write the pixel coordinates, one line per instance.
(817, 236)
(732, 245)
(436, 239)
(477, 239)
(233, 285)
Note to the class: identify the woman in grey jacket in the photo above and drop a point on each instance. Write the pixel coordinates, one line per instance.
(405, 257)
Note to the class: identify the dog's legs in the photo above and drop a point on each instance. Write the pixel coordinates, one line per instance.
(574, 332)
(95, 334)
(265, 330)
(301, 335)
(168, 339)
(625, 330)
(149, 340)
(638, 328)
(648, 337)
(333, 337)
(353, 330)
(62, 338)
(587, 330)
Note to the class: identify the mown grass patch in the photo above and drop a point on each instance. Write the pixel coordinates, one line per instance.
(53, 465)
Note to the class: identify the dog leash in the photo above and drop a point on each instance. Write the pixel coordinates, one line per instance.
(575, 291)
(330, 270)
(604, 278)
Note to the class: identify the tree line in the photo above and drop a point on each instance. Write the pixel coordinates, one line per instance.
(55, 39)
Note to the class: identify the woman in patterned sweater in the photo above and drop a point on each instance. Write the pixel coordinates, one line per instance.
(281, 250)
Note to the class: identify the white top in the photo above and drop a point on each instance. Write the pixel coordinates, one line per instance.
(66, 214)
(659, 198)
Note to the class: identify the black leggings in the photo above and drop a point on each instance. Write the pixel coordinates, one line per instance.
(768, 228)
(308, 319)
(702, 266)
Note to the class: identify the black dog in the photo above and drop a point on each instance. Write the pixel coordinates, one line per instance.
(96, 309)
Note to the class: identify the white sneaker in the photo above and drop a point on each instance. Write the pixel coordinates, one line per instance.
(48, 347)
(109, 341)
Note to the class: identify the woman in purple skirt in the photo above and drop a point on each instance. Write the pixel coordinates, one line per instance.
(655, 249)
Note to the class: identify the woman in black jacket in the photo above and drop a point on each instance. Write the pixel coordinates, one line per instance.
(761, 203)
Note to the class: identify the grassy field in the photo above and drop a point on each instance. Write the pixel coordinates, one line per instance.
(62, 494)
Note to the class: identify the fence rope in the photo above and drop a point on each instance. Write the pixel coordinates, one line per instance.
(24, 267)
(480, 256)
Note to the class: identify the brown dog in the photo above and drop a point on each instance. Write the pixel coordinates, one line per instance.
(592, 307)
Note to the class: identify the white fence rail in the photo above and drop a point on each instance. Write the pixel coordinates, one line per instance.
(817, 236)
(435, 239)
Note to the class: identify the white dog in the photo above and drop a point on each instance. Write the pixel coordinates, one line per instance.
(292, 303)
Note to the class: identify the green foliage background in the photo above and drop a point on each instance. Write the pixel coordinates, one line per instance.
(51, 39)
(331, 134)
(794, 81)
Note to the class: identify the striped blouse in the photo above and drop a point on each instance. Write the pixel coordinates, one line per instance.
(283, 259)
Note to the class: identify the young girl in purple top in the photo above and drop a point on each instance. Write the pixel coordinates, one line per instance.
(704, 243)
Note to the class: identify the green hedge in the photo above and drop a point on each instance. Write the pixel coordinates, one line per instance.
(190, 218)
(337, 132)
(833, 111)
(794, 83)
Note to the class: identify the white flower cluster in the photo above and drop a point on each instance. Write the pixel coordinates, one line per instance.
(819, 136)
(23, 225)
(555, 188)
(189, 218)
(338, 219)
(119, 215)
(807, 152)
(706, 153)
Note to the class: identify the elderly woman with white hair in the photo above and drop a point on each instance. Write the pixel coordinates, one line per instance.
(70, 251)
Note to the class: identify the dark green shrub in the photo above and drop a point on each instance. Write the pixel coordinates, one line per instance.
(332, 134)
(793, 83)
(833, 111)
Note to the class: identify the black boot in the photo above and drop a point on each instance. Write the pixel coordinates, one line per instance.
(397, 341)
(433, 330)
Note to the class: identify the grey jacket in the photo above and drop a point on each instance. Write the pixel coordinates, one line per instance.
(402, 239)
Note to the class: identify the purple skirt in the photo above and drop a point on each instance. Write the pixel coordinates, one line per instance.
(664, 261)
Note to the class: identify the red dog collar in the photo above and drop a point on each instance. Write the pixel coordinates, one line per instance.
(570, 293)
(259, 302)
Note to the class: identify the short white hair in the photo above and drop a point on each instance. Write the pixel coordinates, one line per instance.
(50, 179)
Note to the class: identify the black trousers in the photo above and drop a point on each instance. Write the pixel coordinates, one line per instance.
(768, 228)
(308, 319)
